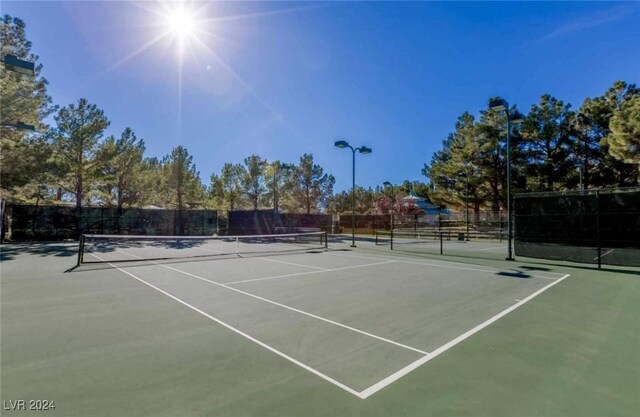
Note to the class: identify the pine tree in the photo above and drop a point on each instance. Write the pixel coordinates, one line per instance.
(121, 161)
(309, 188)
(226, 189)
(623, 143)
(24, 157)
(546, 145)
(183, 185)
(76, 141)
(592, 125)
(253, 180)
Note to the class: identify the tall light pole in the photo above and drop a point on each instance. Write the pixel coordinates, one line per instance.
(393, 199)
(363, 150)
(19, 66)
(502, 105)
(466, 202)
(580, 166)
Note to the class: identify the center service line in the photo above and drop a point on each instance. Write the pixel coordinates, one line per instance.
(257, 297)
(241, 333)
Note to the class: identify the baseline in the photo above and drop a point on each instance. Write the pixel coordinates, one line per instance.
(411, 367)
(440, 265)
(240, 332)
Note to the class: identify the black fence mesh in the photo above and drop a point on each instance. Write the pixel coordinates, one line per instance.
(259, 222)
(38, 222)
(600, 226)
(367, 223)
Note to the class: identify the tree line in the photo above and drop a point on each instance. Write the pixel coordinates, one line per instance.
(73, 161)
(551, 146)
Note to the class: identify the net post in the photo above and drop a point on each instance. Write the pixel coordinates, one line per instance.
(80, 250)
(237, 248)
(441, 238)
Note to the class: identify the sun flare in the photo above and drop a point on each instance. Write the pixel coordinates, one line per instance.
(181, 23)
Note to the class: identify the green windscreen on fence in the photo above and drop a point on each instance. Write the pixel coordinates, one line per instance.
(594, 226)
(47, 222)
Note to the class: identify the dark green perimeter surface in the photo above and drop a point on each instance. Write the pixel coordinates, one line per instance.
(101, 343)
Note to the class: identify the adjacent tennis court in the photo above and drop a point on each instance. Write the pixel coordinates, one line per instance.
(230, 326)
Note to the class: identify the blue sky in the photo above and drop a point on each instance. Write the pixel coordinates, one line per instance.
(282, 79)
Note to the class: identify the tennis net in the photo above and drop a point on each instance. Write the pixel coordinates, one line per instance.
(127, 248)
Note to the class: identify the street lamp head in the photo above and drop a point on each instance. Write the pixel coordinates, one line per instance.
(24, 126)
(15, 64)
(517, 117)
(499, 104)
(364, 150)
(19, 126)
(341, 144)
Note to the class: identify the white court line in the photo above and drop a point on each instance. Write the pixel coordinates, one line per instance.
(257, 297)
(464, 268)
(380, 384)
(603, 255)
(400, 258)
(490, 248)
(241, 333)
(294, 264)
(404, 371)
(307, 273)
(336, 253)
(438, 265)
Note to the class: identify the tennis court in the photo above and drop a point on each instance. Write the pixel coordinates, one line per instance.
(268, 333)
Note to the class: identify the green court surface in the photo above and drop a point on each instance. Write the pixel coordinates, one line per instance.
(360, 331)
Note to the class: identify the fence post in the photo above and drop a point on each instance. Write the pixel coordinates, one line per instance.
(56, 221)
(80, 250)
(2, 209)
(441, 238)
(598, 229)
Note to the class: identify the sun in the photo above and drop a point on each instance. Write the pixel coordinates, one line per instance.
(181, 23)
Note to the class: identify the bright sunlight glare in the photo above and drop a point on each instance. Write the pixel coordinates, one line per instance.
(181, 23)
